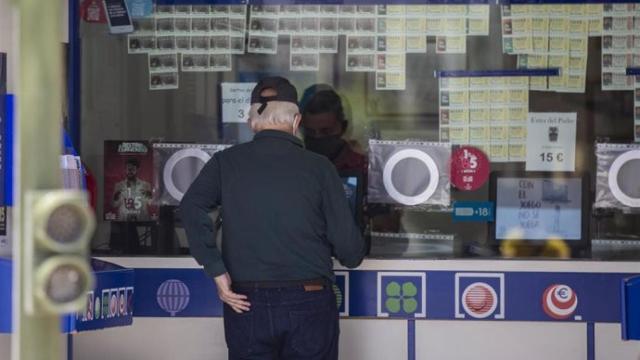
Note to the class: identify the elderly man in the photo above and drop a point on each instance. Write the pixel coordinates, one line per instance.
(285, 214)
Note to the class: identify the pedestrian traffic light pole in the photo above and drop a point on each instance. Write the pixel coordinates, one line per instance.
(36, 336)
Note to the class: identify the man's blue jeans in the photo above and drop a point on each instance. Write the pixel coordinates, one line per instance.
(284, 324)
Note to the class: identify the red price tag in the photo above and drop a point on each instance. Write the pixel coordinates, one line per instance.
(92, 11)
(469, 168)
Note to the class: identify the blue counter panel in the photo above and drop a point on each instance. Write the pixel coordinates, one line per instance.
(5, 296)
(630, 303)
(436, 295)
(114, 286)
(110, 304)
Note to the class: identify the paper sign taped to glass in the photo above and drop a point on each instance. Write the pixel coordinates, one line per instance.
(618, 170)
(409, 173)
(177, 166)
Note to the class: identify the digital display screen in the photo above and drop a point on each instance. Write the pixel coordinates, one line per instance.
(539, 208)
(117, 13)
(350, 185)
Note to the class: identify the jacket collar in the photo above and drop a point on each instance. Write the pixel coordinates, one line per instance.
(280, 135)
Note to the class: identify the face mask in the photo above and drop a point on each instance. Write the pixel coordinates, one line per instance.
(329, 146)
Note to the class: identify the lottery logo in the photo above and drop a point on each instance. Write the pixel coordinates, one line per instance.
(479, 300)
(173, 296)
(479, 295)
(123, 304)
(97, 308)
(559, 301)
(113, 305)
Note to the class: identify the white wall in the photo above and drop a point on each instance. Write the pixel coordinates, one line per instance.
(158, 339)
(501, 340)
(203, 338)
(609, 345)
(5, 347)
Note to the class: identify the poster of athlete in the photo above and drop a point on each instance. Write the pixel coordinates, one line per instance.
(128, 175)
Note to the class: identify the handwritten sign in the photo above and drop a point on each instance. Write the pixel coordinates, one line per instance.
(236, 101)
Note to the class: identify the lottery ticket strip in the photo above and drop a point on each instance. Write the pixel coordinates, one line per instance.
(378, 37)
(487, 112)
(552, 36)
(203, 37)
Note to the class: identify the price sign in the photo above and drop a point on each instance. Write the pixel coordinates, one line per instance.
(236, 101)
(551, 141)
(469, 168)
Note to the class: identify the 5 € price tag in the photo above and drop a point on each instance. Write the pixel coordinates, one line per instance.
(236, 102)
(469, 168)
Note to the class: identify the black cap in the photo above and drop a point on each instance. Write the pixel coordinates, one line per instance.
(283, 89)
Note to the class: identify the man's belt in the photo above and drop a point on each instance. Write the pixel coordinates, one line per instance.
(308, 285)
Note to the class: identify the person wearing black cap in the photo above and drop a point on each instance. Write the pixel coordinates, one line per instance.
(285, 214)
(324, 125)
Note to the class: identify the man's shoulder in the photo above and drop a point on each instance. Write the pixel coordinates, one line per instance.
(303, 156)
(232, 149)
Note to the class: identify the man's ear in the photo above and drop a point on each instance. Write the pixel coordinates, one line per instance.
(297, 118)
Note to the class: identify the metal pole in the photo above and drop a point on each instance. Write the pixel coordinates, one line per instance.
(38, 133)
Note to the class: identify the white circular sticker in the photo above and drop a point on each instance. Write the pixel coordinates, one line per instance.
(393, 192)
(617, 192)
(167, 174)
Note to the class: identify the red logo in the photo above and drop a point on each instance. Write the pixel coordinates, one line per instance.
(469, 168)
(113, 305)
(559, 301)
(479, 300)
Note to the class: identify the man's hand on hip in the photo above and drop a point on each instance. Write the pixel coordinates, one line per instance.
(237, 302)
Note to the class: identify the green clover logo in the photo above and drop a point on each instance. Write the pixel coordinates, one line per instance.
(401, 297)
(338, 294)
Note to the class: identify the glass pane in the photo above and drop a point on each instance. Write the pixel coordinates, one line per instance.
(535, 97)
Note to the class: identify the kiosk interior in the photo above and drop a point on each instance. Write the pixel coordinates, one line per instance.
(434, 97)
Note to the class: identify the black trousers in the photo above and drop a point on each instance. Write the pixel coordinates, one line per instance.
(284, 324)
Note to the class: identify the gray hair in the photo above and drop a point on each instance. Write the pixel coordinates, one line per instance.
(276, 113)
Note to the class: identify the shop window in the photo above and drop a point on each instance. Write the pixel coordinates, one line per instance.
(460, 130)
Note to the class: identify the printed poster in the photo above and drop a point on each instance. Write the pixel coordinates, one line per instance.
(128, 179)
(551, 141)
